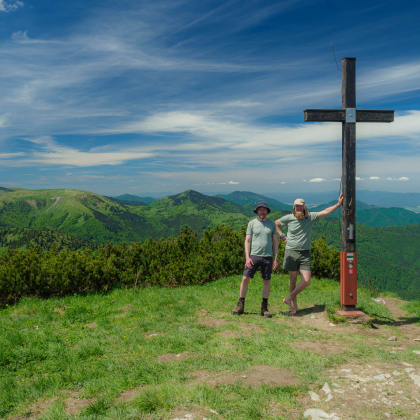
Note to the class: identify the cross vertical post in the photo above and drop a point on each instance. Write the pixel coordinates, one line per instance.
(348, 232)
(348, 116)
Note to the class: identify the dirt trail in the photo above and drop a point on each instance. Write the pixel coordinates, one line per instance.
(405, 324)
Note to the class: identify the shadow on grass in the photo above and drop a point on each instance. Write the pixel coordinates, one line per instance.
(316, 309)
(381, 320)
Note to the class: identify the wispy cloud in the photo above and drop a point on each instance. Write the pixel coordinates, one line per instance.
(10, 6)
(317, 180)
(55, 154)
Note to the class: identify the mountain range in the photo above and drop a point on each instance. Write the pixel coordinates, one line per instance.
(72, 218)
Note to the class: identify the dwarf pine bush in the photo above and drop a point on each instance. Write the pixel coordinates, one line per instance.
(185, 260)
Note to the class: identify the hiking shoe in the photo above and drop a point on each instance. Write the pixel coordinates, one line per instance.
(264, 310)
(239, 310)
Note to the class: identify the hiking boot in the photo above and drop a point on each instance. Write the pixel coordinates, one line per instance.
(239, 310)
(264, 310)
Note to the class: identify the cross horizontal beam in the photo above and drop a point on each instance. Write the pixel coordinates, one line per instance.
(339, 115)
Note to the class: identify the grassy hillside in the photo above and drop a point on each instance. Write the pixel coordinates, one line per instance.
(127, 202)
(162, 354)
(193, 209)
(79, 213)
(382, 217)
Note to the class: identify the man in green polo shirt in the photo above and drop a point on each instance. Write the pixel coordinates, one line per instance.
(298, 244)
(262, 233)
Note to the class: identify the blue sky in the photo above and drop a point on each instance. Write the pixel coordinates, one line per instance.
(140, 96)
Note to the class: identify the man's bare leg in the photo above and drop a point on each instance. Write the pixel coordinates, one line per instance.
(266, 289)
(244, 287)
(292, 285)
(305, 282)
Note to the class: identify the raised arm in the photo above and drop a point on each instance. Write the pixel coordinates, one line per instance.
(331, 209)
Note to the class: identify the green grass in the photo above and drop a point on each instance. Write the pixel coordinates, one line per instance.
(43, 351)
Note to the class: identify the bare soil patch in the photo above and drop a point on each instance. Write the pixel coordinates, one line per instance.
(322, 347)
(234, 334)
(202, 312)
(126, 308)
(255, 376)
(61, 310)
(211, 322)
(196, 413)
(249, 329)
(76, 405)
(171, 356)
(127, 396)
(91, 325)
(405, 325)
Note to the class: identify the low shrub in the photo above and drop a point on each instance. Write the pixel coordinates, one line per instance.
(185, 260)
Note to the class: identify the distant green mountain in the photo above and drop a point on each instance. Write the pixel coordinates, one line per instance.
(392, 216)
(193, 209)
(126, 202)
(389, 255)
(77, 213)
(249, 200)
(130, 197)
(359, 206)
(376, 216)
(45, 238)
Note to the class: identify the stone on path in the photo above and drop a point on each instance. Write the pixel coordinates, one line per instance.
(415, 378)
(393, 338)
(407, 364)
(317, 414)
(326, 388)
(417, 339)
(328, 398)
(416, 352)
(314, 396)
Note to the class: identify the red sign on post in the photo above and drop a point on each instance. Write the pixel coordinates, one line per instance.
(348, 278)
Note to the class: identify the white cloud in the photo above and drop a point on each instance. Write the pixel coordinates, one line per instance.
(403, 178)
(283, 182)
(10, 6)
(375, 178)
(358, 178)
(54, 154)
(317, 180)
(233, 183)
(336, 179)
(11, 155)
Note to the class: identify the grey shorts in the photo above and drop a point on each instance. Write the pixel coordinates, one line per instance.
(295, 260)
(266, 264)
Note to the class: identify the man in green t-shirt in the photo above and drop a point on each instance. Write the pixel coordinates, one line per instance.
(261, 232)
(298, 244)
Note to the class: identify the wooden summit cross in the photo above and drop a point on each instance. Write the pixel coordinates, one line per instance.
(348, 116)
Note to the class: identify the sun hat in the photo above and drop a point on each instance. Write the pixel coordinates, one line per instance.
(300, 202)
(262, 204)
